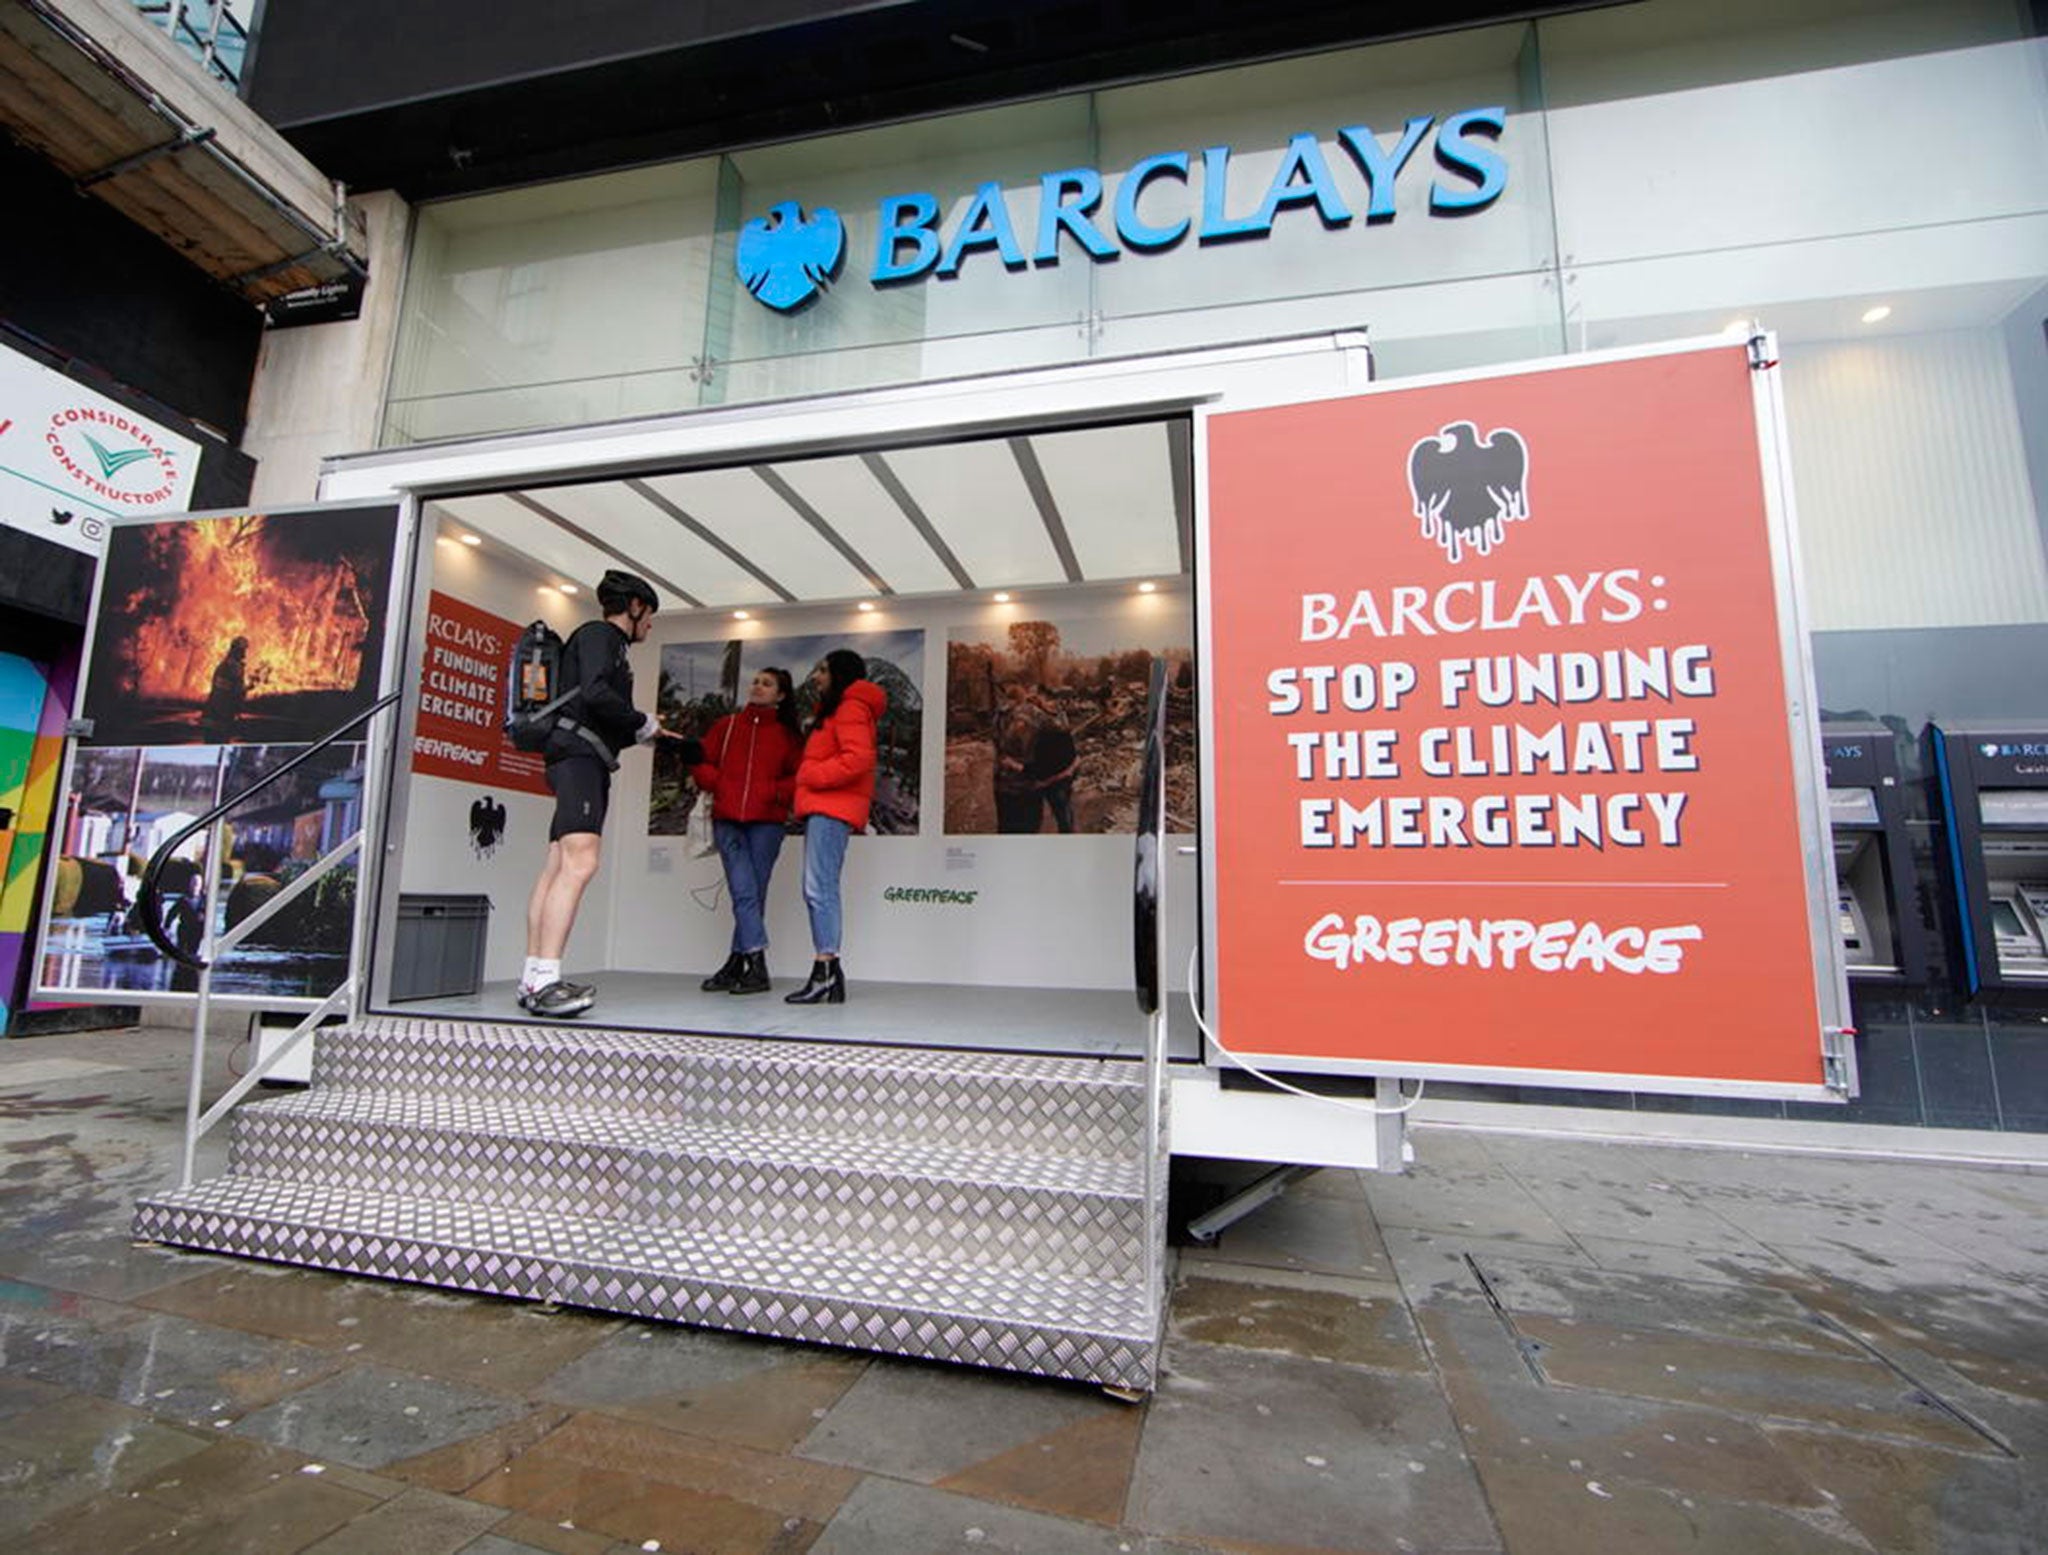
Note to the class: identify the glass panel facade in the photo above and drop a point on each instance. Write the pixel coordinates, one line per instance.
(1869, 180)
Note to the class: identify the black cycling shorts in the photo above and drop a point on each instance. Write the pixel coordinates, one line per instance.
(583, 791)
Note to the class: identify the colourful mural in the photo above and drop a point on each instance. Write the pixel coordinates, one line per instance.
(34, 702)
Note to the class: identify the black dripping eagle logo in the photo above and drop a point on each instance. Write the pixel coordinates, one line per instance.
(1467, 489)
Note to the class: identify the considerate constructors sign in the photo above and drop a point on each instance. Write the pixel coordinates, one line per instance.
(1505, 775)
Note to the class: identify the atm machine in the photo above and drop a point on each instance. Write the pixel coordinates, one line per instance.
(1883, 939)
(1993, 781)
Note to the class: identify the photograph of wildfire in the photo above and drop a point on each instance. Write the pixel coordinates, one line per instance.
(248, 629)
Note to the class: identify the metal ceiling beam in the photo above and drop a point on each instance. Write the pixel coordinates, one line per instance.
(826, 532)
(1048, 507)
(647, 493)
(631, 564)
(1180, 464)
(878, 466)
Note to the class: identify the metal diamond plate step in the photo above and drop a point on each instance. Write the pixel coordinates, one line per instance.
(1071, 1106)
(1056, 1325)
(942, 1200)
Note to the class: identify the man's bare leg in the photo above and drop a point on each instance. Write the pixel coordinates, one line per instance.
(572, 862)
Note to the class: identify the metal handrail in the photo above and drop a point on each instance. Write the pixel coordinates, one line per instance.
(1147, 864)
(149, 908)
(198, 1122)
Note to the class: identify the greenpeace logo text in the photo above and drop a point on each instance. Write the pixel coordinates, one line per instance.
(1499, 944)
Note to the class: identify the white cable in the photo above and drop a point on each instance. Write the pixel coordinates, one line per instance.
(1375, 1109)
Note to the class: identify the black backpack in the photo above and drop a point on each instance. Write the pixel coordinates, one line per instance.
(534, 695)
(532, 679)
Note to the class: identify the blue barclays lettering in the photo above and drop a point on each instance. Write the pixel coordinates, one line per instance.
(1154, 207)
(1459, 153)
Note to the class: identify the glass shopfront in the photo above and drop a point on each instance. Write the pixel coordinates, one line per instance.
(1867, 180)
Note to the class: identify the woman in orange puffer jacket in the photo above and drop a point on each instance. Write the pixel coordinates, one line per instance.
(835, 788)
(748, 777)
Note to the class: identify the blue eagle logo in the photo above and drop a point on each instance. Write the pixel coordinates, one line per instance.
(785, 260)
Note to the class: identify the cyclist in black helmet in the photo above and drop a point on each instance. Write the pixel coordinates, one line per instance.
(593, 728)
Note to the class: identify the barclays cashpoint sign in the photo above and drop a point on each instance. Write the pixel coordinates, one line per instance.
(786, 258)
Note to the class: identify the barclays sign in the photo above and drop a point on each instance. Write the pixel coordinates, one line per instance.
(786, 259)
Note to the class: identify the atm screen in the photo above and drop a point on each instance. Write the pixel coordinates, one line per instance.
(2005, 919)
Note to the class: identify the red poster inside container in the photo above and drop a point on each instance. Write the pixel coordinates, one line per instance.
(461, 733)
(1502, 772)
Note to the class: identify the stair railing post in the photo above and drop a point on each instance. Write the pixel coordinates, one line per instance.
(1155, 1020)
(209, 871)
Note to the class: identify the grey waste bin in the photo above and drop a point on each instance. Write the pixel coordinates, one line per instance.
(438, 951)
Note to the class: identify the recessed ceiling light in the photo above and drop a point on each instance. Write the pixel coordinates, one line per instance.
(472, 539)
(1878, 314)
(1148, 587)
(1001, 598)
(741, 615)
(443, 540)
(567, 588)
(866, 604)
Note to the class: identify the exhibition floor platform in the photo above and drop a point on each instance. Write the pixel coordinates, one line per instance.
(1077, 1022)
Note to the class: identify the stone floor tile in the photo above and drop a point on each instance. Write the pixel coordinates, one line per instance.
(498, 1544)
(1266, 1449)
(1710, 1266)
(284, 1515)
(1082, 1470)
(634, 1482)
(734, 1387)
(1436, 1267)
(484, 1341)
(1546, 1511)
(419, 1522)
(1915, 1500)
(1841, 1391)
(369, 1416)
(521, 1534)
(888, 1516)
(1358, 1330)
(927, 1422)
(174, 1369)
(103, 1261)
(230, 1469)
(454, 1468)
(19, 1395)
(1607, 1203)
(1752, 1314)
(595, 1443)
(1322, 1233)
(1473, 1201)
(79, 1448)
(1505, 1414)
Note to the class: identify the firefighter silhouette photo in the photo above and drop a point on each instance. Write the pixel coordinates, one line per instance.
(486, 825)
(1467, 489)
(247, 628)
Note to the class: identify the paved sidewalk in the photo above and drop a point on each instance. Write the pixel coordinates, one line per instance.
(1527, 1345)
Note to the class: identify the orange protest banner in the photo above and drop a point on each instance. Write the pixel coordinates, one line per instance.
(1504, 775)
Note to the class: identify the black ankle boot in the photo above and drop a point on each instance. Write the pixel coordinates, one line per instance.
(753, 973)
(827, 985)
(722, 980)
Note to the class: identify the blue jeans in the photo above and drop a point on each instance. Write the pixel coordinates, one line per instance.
(824, 856)
(748, 850)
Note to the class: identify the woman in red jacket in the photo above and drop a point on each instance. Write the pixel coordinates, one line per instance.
(835, 788)
(749, 776)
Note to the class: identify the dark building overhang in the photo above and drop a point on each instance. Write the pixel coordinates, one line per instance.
(112, 104)
(467, 95)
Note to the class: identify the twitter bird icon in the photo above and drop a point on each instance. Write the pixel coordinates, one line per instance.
(786, 260)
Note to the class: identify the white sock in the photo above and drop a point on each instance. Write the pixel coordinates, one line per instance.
(539, 973)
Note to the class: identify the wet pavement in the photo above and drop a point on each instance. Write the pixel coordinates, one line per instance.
(1527, 1345)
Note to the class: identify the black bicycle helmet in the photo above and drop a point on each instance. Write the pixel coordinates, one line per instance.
(616, 590)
